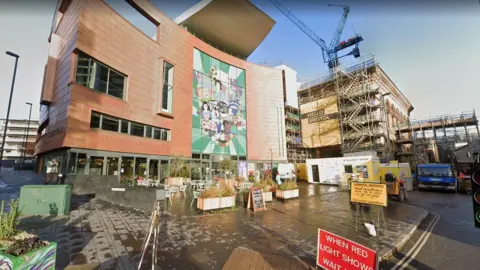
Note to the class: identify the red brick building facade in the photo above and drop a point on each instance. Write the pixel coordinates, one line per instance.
(104, 83)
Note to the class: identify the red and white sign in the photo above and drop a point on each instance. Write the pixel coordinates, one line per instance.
(337, 253)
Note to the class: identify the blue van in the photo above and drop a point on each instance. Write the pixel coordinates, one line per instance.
(436, 176)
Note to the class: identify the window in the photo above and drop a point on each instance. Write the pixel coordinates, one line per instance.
(96, 166)
(81, 163)
(95, 120)
(136, 129)
(164, 135)
(157, 134)
(112, 166)
(124, 127)
(153, 169)
(148, 132)
(71, 162)
(95, 75)
(126, 172)
(109, 123)
(167, 87)
(140, 168)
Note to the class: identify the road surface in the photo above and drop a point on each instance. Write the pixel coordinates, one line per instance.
(447, 239)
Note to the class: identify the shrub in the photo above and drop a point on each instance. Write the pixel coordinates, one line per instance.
(227, 192)
(288, 186)
(9, 221)
(212, 192)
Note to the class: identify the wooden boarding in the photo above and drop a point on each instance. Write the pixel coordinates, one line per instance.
(243, 258)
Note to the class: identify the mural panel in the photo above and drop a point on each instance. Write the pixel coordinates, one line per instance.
(218, 112)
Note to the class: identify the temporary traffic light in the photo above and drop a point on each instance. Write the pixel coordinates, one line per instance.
(476, 197)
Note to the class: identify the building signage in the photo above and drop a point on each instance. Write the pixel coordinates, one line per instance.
(337, 253)
(369, 193)
(476, 197)
(319, 116)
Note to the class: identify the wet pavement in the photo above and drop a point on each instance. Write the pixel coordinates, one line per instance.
(100, 232)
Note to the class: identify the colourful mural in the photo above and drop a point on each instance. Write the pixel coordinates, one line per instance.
(41, 259)
(219, 115)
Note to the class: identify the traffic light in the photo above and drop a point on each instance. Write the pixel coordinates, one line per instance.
(476, 197)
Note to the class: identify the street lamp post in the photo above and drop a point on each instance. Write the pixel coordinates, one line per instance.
(9, 105)
(26, 137)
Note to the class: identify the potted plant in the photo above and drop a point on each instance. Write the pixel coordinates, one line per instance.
(19, 249)
(287, 190)
(216, 198)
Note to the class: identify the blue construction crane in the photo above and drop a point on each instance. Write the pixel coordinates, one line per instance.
(330, 54)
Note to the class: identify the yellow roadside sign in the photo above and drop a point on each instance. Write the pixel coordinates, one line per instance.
(369, 193)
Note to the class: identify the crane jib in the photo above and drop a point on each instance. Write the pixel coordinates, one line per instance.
(329, 54)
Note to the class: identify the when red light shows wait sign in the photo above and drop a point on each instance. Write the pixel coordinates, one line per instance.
(337, 253)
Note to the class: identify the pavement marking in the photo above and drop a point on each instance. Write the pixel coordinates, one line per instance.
(403, 263)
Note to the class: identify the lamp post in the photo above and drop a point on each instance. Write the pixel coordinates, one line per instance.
(388, 126)
(9, 105)
(26, 136)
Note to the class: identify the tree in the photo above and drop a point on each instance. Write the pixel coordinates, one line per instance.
(29, 148)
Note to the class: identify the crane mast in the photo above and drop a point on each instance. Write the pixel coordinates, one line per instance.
(329, 54)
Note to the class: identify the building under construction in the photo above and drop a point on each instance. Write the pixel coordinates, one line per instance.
(435, 139)
(352, 109)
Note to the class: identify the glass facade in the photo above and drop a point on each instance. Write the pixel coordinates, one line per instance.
(219, 113)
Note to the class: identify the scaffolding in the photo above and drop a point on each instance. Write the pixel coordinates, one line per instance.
(360, 102)
(296, 153)
(362, 108)
(434, 139)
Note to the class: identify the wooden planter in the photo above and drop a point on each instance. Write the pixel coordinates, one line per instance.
(42, 258)
(215, 203)
(287, 194)
(267, 195)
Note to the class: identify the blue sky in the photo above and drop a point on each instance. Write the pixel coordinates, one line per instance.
(431, 50)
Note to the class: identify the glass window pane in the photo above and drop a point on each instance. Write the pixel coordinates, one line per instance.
(140, 168)
(100, 77)
(126, 172)
(153, 169)
(81, 163)
(83, 66)
(157, 134)
(148, 132)
(196, 170)
(163, 169)
(112, 166)
(72, 162)
(96, 165)
(95, 120)
(164, 135)
(124, 128)
(136, 129)
(166, 97)
(116, 84)
(168, 73)
(110, 123)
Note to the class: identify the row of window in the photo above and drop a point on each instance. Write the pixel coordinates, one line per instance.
(110, 123)
(128, 168)
(100, 77)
